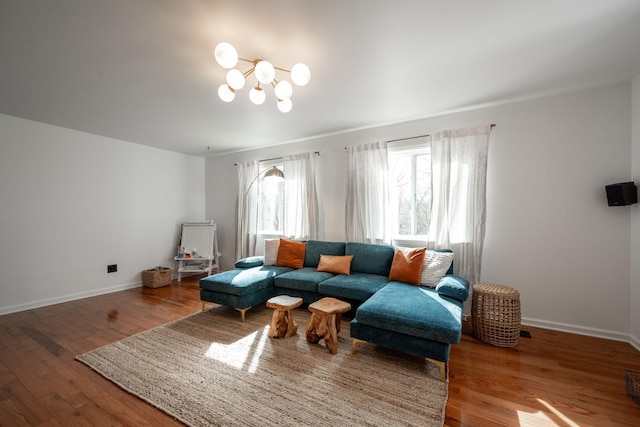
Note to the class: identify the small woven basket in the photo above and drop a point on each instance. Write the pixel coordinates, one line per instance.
(632, 378)
(156, 277)
(496, 314)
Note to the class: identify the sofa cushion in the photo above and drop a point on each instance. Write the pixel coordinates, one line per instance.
(356, 286)
(291, 254)
(252, 261)
(315, 248)
(303, 279)
(238, 301)
(242, 282)
(454, 286)
(271, 251)
(407, 265)
(436, 265)
(370, 258)
(413, 310)
(335, 264)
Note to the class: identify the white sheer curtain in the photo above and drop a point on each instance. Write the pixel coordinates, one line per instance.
(367, 193)
(246, 209)
(301, 212)
(459, 169)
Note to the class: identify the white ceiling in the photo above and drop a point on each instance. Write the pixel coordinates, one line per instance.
(143, 71)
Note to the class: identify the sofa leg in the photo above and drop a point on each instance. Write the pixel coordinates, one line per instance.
(242, 312)
(442, 366)
(354, 343)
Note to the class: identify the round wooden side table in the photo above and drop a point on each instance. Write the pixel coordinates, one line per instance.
(495, 311)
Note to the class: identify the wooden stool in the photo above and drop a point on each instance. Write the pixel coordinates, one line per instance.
(282, 323)
(495, 310)
(325, 322)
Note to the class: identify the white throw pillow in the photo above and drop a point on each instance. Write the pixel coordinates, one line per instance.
(271, 251)
(435, 267)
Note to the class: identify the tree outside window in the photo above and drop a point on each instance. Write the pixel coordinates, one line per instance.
(410, 182)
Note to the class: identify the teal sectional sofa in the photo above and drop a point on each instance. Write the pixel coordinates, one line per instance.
(419, 320)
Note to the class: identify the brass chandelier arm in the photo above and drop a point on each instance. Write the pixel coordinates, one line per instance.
(248, 72)
(255, 61)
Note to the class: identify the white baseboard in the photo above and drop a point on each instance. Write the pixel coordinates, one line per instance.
(67, 298)
(635, 342)
(576, 329)
(579, 330)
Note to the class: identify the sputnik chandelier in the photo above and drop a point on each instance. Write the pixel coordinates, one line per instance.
(265, 73)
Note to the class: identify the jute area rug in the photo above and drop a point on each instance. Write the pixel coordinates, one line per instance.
(211, 369)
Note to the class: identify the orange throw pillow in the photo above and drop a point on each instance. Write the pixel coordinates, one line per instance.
(407, 265)
(291, 254)
(337, 264)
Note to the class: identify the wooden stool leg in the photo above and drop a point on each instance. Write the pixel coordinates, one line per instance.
(326, 321)
(278, 324)
(331, 334)
(324, 326)
(292, 326)
(312, 333)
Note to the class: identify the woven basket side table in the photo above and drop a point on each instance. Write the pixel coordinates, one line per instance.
(495, 310)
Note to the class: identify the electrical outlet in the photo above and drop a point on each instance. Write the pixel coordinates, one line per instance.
(525, 334)
(112, 268)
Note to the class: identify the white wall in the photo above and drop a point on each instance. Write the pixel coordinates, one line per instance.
(72, 203)
(634, 299)
(550, 233)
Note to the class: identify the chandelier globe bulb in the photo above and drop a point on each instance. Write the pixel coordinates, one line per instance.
(265, 72)
(300, 74)
(284, 105)
(283, 90)
(257, 95)
(226, 93)
(226, 55)
(235, 79)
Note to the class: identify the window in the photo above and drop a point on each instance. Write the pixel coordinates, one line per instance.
(270, 202)
(410, 189)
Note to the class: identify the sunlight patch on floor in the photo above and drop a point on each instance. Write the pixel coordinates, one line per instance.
(237, 353)
(260, 348)
(556, 419)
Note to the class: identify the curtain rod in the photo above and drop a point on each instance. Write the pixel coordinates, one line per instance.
(423, 136)
(317, 153)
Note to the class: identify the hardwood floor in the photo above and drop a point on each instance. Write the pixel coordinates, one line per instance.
(551, 379)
